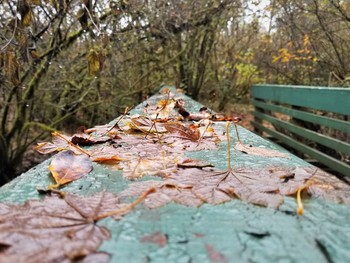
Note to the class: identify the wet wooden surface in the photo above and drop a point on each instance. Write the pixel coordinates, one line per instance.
(235, 231)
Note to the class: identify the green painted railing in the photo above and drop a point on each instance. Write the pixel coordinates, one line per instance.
(306, 118)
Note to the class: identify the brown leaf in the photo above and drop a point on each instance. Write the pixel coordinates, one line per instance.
(11, 66)
(192, 186)
(192, 163)
(190, 138)
(66, 167)
(25, 11)
(327, 187)
(179, 130)
(82, 138)
(166, 192)
(249, 149)
(145, 124)
(163, 109)
(45, 147)
(59, 142)
(55, 229)
(156, 238)
(161, 166)
(214, 255)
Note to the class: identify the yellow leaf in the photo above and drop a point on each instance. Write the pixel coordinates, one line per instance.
(95, 61)
(66, 167)
(11, 66)
(27, 18)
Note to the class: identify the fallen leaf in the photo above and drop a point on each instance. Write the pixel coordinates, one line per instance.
(161, 166)
(145, 124)
(163, 109)
(46, 147)
(214, 255)
(165, 193)
(192, 163)
(156, 238)
(58, 229)
(66, 167)
(59, 142)
(179, 130)
(253, 150)
(193, 186)
(191, 138)
(82, 138)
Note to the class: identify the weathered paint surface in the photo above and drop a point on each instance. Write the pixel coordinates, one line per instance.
(230, 232)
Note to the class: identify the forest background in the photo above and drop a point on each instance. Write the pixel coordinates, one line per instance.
(68, 63)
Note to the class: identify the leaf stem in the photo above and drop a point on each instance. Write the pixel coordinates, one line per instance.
(70, 143)
(126, 208)
(228, 147)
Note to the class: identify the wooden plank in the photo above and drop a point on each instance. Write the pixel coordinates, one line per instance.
(235, 231)
(311, 135)
(333, 163)
(321, 98)
(339, 125)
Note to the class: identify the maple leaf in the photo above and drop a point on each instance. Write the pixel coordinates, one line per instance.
(58, 229)
(165, 193)
(84, 138)
(59, 142)
(253, 150)
(66, 167)
(328, 187)
(191, 138)
(145, 124)
(193, 186)
(161, 166)
(164, 108)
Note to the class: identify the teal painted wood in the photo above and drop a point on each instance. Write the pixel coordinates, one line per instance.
(236, 231)
(331, 162)
(311, 135)
(322, 98)
(339, 125)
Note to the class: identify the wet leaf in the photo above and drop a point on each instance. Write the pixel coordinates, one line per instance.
(192, 186)
(83, 138)
(163, 109)
(165, 193)
(60, 142)
(190, 138)
(161, 166)
(155, 238)
(67, 167)
(327, 187)
(181, 131)
(253, 150)
(57, 229)
(214, 255)
(192, 163)
(46, 147)
(145, 124)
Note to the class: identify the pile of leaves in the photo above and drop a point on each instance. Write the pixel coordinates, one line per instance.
(63, 226)
(155, 143)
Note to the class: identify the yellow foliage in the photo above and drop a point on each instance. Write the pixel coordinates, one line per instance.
(27, 19)
(96, 58)
(285, 55)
